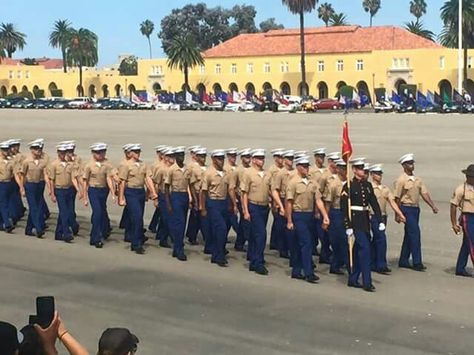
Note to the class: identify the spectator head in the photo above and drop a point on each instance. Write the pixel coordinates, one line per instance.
(9, 343)
(31, 344)
(117, 341)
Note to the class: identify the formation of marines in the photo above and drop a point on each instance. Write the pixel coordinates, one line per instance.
(316, 210)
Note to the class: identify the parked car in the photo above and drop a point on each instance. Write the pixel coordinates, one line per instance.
(327, 104)
(4, 103)
(21, 102)
(60, 104)
(80, 103)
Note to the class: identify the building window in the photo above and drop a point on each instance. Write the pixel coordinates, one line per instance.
(441, 62)
(233, 68)
(218, 69)
(395, 63)
(266, 68)
(320, 65)
(27, 74)
(10, 74)
(340, 65)
(360, 65)
(18, 74)
(202, 69)
(250, 68)
(284, 67)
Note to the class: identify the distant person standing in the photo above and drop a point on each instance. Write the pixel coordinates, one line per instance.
(17, 207)
(408, 190)
(463, 200)
(6, 187)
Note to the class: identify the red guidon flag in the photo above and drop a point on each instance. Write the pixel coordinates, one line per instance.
(346, 142)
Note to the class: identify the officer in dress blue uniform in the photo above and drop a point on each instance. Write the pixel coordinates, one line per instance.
(355, 203)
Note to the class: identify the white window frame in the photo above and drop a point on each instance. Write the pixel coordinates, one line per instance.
(359, 64)
(233, 68)
(218, 69)
(340, 65)
(267, 69)
(442, 62)
(321, 66)
(250, 68)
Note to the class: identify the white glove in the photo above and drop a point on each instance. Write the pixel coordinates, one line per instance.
(381, 227)
(349, 232)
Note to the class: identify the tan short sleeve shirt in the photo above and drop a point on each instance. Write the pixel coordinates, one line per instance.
(463, 197)
(257, 185)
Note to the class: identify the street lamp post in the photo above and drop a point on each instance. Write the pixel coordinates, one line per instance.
(460, 49)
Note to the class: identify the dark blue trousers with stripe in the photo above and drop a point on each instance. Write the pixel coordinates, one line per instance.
(65, 224)
(467, 247)
(258, 234)
(361, 259)
(177, 220)
(34, 192)
(135, 199)
(243, 230)
(218, 216)
(6, 188)
(163, 232)
(378, 245)
(99, 219)
(411, 245)
(303, 242)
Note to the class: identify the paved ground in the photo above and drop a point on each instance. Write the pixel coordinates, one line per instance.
(197, 308)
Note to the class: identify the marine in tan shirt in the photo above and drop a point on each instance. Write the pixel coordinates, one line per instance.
(332, 192)
(256, 186)
(6, 167)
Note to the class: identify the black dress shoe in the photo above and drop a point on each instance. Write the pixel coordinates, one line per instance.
(222, 264)
(241, 249)
(165, 245)
(252, 268)
(226, 252)
(354, 284)
(193, 242)
(10, 229)
(182, 257)
(262, 270)
(30, 234)
(464, 274)
(312, 279)
(324, 261)
(69, 240)
(40, 235)
(370, 288)
(99, 245)
(297, 277)
(207, 252)
(419, 267)
(404, 266)
(284, 255)
(139, 250)
(336, 272)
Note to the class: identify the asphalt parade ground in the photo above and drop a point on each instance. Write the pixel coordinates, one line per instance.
(196, 307)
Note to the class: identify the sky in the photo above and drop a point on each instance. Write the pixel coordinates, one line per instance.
(117, 22)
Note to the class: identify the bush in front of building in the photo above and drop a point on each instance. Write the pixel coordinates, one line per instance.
(39, 93)
(56, 93)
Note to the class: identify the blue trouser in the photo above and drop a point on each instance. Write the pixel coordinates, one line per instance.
(16, 207)
(323, 237)
(338, 240)
(177, 220)
(282, 236)
(99, 219)
(218, 216)
(412, 239)
(258, 234)
(232, 220)
(5, 197)
(467, 247)
(34, 192)
(155, 220)
(361, 259)
(243, 230)
(163, 232)
(135, 198)
(302, 244)
(378, 245)
(65, 224)
(193, 225)
(44, 205)
(274, 232)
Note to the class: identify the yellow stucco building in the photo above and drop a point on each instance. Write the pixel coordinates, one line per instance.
(365, 58)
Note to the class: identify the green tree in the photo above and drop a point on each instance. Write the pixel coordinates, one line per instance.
(59, 38)
(82, 50)
(146, 28)
(129, 66)
(270, 24)
(418, 8)
(417, 28)
(449, 34)
(184, 55)
(244, 19)
(338, 19)
(11, 39)
(325, 11)
(300, 7)
(372, 7)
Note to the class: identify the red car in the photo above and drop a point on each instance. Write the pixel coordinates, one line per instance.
(327, 104)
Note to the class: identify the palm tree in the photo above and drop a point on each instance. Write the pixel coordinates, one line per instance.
(417, 28)
(372, 7)
(300, 7)
(59, 38)
(418, 8)
(146, 28)
(338, 20)
(325, 11)
(11, 38)
(82, 50)
(449, 34)
(184, 54)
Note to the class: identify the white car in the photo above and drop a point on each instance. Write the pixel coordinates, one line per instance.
(80, 102)
(239, 106)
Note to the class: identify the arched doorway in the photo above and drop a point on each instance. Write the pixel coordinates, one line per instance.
(52, 87)
(24, 88)
(118, 90)
(14, 90)
(185, 87)
(470, 87)
(285, 88)
(217, 88)
(201, 89)
(35, 88)
(80, 91)
(267, 86)
(3, 91)
(303, 89)
(250, 88)
(398, 85)
(340, 85)
(445, 88)
(363, 89)
(323, 91)
(105, 90)
(156, 88)
(233, 87)
(131, 90)
(92, 91)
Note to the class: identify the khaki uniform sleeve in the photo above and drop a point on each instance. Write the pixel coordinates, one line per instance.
(328, 192)
(317, 192)
(123, 172)
(50, 172)
(423, 188)
(276, 181)
(245, 183)
(169, 177)
(23, 169)
(291, 191)
(87, 172)
(457, 197)
(205, 182)
(232, 179)
(398, 185)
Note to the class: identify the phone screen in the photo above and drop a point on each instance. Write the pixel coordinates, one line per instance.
(45, 310)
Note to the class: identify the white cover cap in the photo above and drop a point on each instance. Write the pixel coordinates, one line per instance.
(407, 157)
(319, 151)
(218, 153)
(258, 153)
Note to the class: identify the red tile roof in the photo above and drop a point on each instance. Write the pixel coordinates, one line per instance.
(320, 40)
(47, 63)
